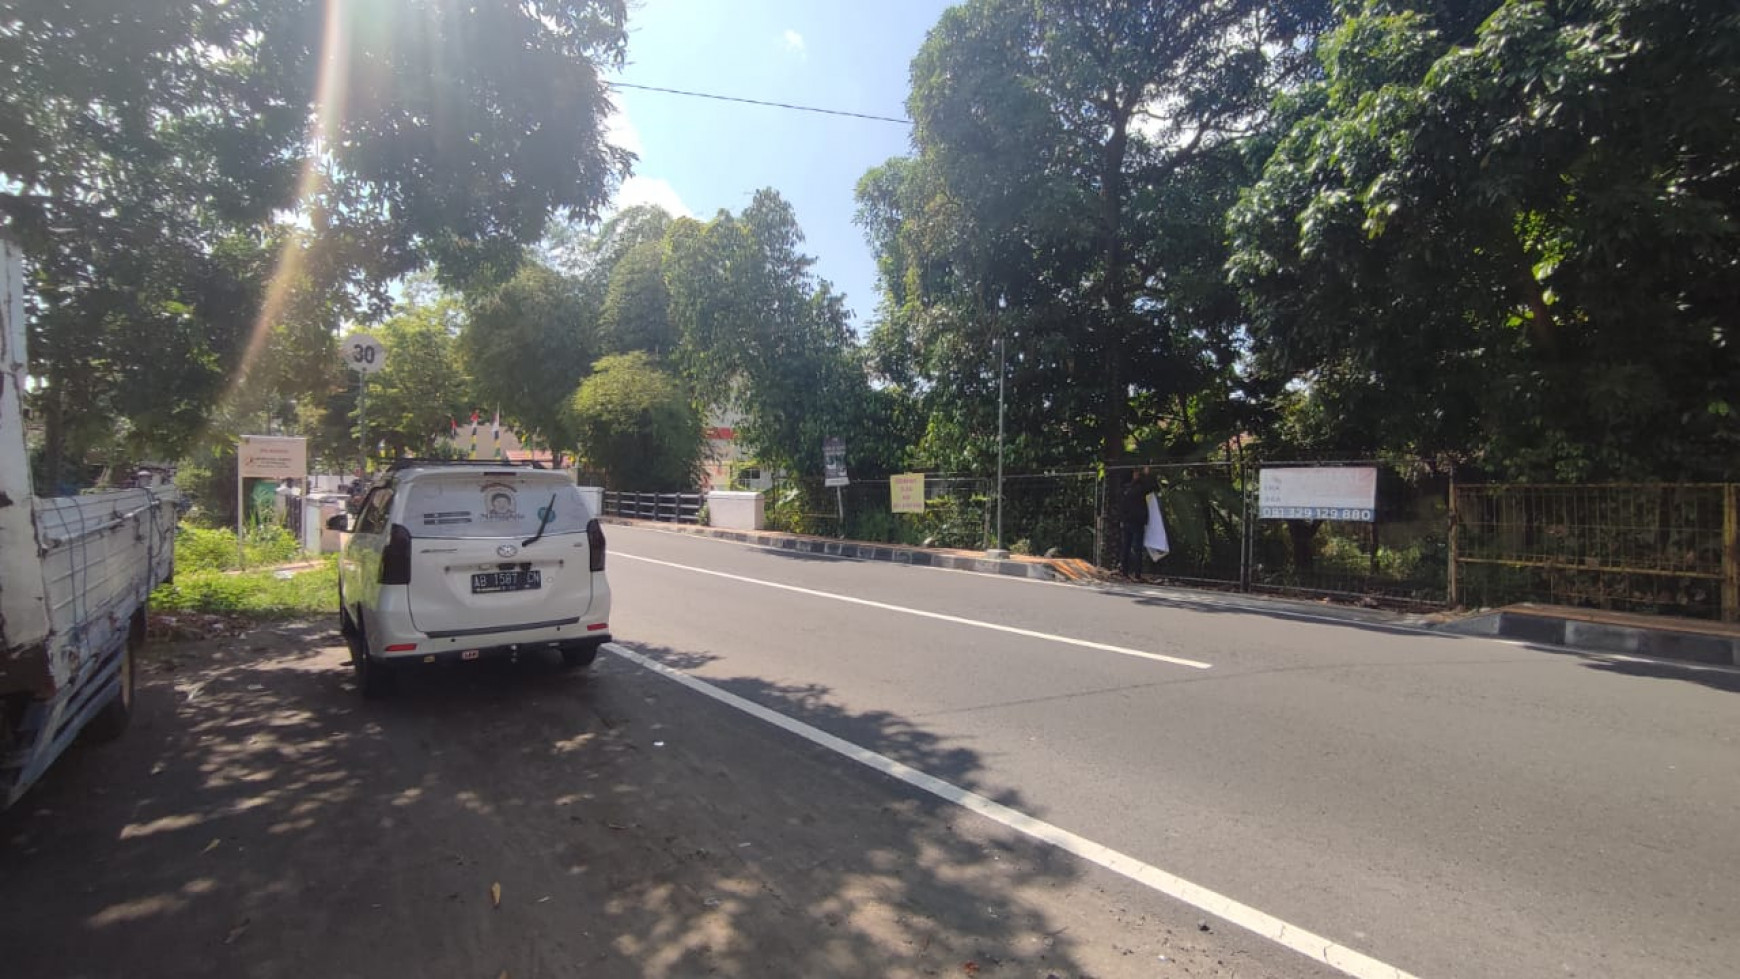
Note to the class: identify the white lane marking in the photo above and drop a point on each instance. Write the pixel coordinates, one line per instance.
(1340, 957)
(1196, 602)
(957, 620)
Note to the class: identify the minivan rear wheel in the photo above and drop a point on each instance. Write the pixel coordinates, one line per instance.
(374, 677)
(346, 625)
(579, 655)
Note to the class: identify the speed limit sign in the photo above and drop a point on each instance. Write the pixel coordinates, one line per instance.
(364, 353)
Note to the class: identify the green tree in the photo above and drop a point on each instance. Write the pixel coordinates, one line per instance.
(152, 154)
(762, 335)
(1075, 161)
(633, 420)
(581, 252)
(1511, 242)
(526, 346)
(414, 399)
(637, 304)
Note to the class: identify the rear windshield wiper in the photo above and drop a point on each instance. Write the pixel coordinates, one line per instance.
(543, 521)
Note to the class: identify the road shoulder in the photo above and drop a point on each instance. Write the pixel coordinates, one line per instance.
(263, 820)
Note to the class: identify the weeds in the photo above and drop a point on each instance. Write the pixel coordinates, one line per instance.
(200, 549)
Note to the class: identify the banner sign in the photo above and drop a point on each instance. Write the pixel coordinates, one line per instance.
(272, 456)
(1318, 493)
(834, 462)
(908, 492)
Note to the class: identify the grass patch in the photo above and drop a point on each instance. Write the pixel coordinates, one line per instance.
(260, 595)
(199, 549)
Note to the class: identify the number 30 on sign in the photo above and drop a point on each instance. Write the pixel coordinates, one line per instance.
(363, 353)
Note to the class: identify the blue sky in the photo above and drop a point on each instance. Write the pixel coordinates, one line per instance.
(698, 156)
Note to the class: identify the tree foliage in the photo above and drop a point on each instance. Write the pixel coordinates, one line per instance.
(177, 206)
(1514, 243)
(633, 420)
(527, 345)
(637, 304)
(760, 334)
(1074, 164)
(413, 401)
(1496, 231)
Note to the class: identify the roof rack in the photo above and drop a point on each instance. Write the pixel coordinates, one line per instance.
(409, 462)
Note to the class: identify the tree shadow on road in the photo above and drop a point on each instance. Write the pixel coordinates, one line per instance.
(263, 820)
(1716, 679)
(885, 732)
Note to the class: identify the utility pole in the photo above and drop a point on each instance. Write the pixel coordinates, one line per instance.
(365, 355)
(1002, 371)
(362, 417)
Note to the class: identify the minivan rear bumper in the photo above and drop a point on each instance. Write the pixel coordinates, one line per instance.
(391, 626)
(466, 654)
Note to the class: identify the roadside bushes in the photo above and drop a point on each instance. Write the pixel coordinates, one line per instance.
(214, 548)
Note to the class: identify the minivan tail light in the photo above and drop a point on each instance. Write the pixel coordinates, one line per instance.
(595, 543)
(396, 557)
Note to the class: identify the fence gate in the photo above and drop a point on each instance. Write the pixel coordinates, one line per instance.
(666, 507)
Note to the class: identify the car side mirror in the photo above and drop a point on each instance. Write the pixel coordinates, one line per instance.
(338, 522)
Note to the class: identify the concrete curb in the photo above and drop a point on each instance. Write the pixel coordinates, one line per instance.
(1690, 642)
(895, 553)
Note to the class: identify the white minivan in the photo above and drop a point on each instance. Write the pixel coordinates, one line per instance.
(466, 561)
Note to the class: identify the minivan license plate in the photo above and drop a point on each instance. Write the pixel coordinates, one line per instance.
(490, 581)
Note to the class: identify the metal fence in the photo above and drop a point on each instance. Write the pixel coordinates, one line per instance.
(667, 507)
(1670, 549)
(1043, 513)
(1209, 510)
(1203, 508)
(1216, 538)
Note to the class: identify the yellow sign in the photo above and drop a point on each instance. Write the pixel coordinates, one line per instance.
(908, 493)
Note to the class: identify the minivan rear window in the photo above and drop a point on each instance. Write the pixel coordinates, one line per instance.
(492, 505)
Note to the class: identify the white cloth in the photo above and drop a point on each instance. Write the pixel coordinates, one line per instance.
(1154, 537)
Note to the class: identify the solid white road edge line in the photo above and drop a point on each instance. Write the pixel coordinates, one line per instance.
(1307, 943)
(957, 620)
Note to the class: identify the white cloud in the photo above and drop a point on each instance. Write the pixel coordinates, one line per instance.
(650, 190)
(794, 42)
(620, 132)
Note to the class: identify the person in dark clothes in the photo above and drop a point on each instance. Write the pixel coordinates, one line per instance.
(1134, 509)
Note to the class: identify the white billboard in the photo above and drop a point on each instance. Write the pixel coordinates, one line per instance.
(272, 456)
(1317, 493)
(834, 462)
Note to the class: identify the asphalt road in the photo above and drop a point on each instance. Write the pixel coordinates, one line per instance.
(1451, 806)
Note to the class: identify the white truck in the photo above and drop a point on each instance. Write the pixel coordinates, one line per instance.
(75, 573)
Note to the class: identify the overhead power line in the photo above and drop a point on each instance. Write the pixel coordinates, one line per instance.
(775, 105)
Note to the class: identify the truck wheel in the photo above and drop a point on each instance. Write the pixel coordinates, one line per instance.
(111, 722)
(374, 677)
(580, 655)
